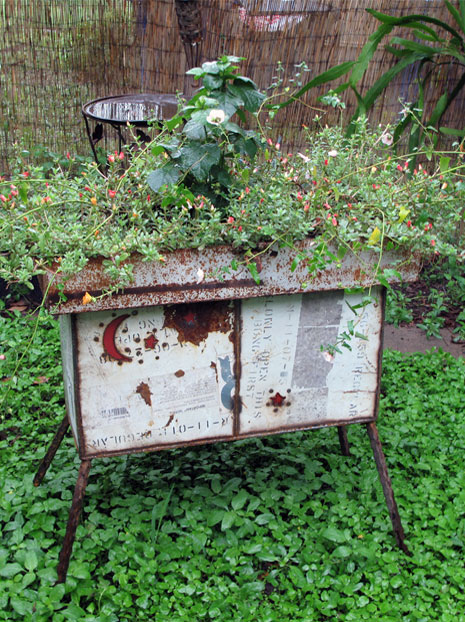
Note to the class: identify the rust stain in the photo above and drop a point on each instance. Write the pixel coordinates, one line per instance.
(169, 420)
(194, 322)
(144, 391)
(179, 374)
(213, 366)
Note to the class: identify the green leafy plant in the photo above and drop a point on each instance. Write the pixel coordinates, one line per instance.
(201, 158)
(201, 183)
(434, 46)
(397, 311)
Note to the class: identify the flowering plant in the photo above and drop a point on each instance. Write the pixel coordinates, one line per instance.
(201, 183)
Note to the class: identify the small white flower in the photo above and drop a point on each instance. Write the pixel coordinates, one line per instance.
(304, 157)
(200, 275)
(216, 116)
(387, 139)
(328, 357)
(333, 153)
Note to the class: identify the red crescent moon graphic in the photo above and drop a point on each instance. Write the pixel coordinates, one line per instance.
(109, 339)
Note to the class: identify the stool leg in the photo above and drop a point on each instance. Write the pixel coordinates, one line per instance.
(73, 520)
(51, 451)
(387, 486)
(343, 442)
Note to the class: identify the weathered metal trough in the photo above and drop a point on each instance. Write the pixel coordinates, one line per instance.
(185, 357)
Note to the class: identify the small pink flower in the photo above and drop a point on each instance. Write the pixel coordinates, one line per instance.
(334, 221)
(68, 156)
(299, 196)
(247, 190)
(326, 162)
(87, 188)
(2, 357)
(3, 198)
(428, 226)
(121, 155)
(111, 158)
(269, 141)
(26, 174)
(112, 194)
(230, 220)
(399, 168)
(409, 223)
(306, 207)
(433, 242)
(239, 228)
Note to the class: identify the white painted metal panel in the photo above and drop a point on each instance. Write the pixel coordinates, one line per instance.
(153, 388)
(287, 381)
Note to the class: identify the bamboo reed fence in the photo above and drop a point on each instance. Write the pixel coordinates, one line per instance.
(58, 54)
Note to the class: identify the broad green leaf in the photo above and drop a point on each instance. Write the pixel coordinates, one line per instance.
(333, 534)
(21, 606)
(342, 551)
(10, 570)
(197, 72)
(233, 127)
(240, 80)
(166, 175)
(214, 517)
(251, 98)
(227, 102)
(212, 82)
(239, 500)
(195, 128)
(212, 67)
(199, 159)
(31, 561)
(228, 520)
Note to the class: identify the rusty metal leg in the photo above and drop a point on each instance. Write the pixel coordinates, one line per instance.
(46, 462)
(387, 486)
(343, 441)
(73, 520)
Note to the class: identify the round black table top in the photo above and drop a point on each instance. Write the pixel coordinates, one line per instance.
(136, 109)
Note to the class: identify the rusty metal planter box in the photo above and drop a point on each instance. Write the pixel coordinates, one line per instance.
(176, 359)
(184, 357)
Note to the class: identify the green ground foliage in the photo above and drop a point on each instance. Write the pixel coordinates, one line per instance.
(283, 528)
